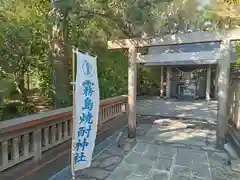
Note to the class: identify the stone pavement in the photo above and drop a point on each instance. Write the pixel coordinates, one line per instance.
(198, 109)
(166, 150)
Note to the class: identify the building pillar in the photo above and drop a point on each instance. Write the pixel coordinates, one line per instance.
(132, 92)
(208, 85)
(216, 83)
(223, 83)
(168, 88)
(161, 82)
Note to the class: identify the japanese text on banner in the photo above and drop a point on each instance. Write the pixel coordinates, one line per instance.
(85, 121)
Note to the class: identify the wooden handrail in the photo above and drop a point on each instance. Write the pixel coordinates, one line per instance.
(30, 136)
(32, 120)
(106, 102)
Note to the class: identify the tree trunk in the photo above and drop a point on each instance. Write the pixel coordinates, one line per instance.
(1, 107)
(28, 81)
(19, 82)
(60, 64)
(22, 89)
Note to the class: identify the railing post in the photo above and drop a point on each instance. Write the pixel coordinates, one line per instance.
(70, 122)
(26, 145)
(126, 108)
(123, 107)
(4, 149)
(65, 129)
(37, 144)
(46, 136)
(101, 117)
(60, 134)
(15, 148)
(53, 134)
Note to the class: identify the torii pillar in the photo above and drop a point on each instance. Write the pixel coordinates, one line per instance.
(132, 81)
(223, 83)
(132, 91)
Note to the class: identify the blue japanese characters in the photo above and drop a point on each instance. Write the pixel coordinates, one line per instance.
(85, 121)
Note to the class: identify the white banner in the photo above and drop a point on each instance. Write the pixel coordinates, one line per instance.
(86, 110)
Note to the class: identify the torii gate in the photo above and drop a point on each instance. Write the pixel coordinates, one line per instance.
(196, 37)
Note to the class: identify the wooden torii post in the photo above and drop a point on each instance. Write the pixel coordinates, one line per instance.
(195, 37)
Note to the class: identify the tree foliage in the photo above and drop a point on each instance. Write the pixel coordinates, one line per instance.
(224, 14)
(37, 37)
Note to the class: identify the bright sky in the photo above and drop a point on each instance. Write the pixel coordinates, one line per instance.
(204, 2)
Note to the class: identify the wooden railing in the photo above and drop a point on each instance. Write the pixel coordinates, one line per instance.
(27, 138)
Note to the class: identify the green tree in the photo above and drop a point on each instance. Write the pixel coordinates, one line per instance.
(37, 37)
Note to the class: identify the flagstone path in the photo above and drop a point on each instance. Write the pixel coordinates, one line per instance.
(168, 150)
(198, 109)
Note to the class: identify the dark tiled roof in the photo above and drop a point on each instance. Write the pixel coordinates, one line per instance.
(187, 48)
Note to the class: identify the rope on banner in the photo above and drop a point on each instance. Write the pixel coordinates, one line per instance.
(76, 50)
(74, 112)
